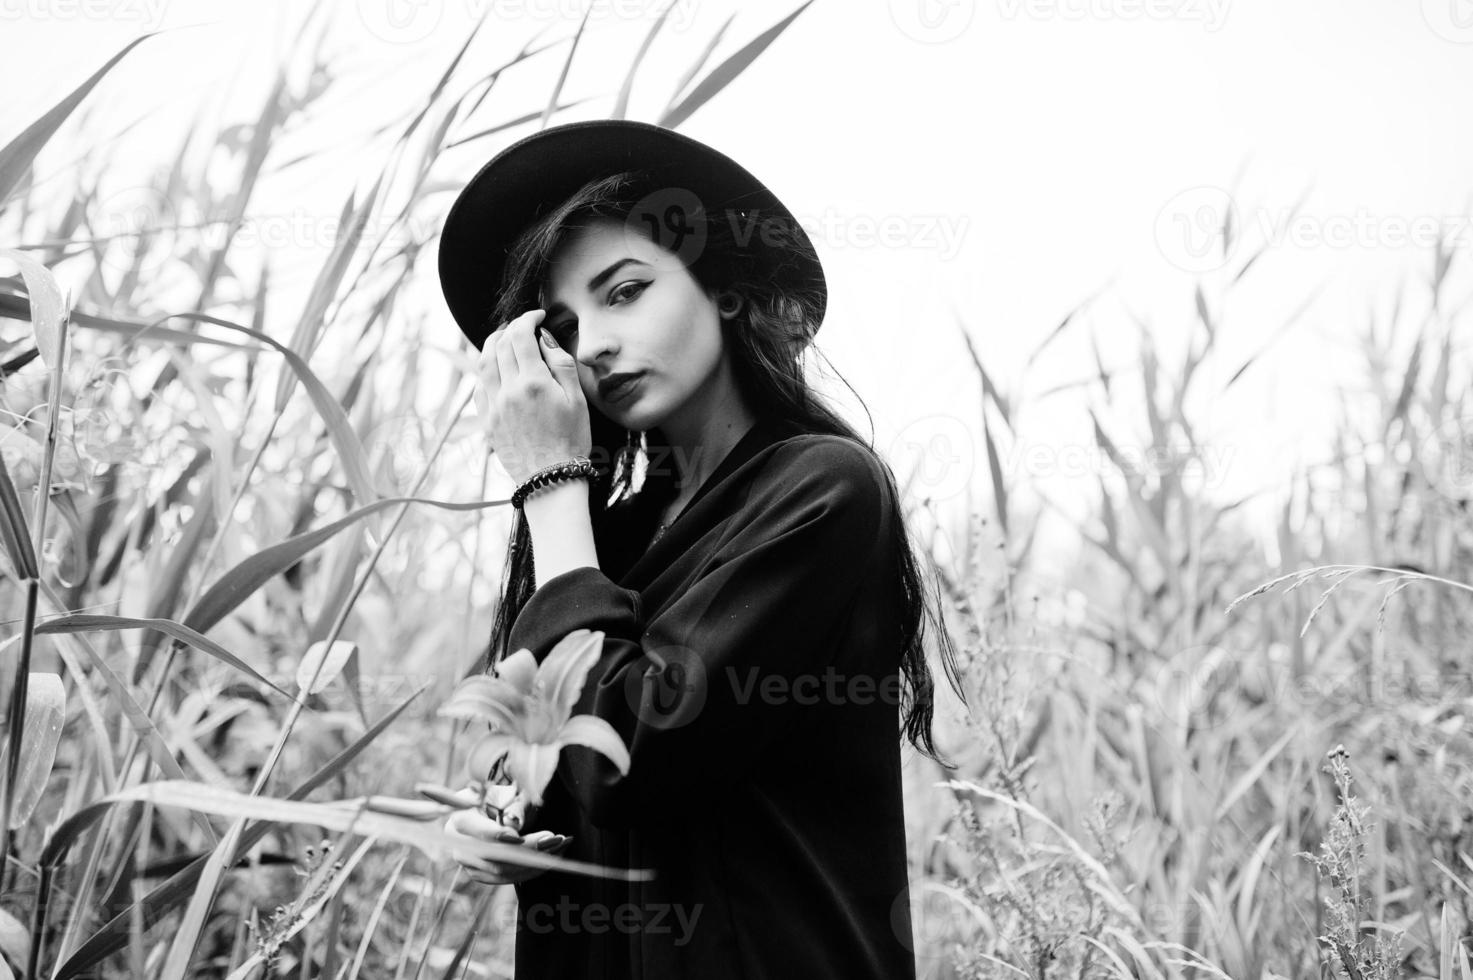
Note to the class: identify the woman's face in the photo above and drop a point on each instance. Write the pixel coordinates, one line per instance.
(621, 304)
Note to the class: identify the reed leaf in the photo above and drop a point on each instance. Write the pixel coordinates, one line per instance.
(621, 102)
(197, 797)
(48, 306)
(17, 156)
(159, 902)
(241, 582)
(45, 716)
(727, 72)
(88, 623)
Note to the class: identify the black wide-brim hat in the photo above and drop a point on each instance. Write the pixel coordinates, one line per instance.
(535, 174)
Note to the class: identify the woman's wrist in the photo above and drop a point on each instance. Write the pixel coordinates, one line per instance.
(562, 534)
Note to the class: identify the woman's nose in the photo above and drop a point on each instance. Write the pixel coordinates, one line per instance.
(594, 343)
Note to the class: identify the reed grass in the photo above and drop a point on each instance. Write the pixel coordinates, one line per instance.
(233, 612)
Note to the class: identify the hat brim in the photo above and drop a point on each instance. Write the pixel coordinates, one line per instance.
(535, 174)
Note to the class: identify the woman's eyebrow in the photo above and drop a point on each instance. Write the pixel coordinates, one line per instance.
(597, 281)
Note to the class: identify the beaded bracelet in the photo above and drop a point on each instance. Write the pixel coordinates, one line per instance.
(578, 466)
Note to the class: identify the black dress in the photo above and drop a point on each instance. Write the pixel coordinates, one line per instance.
(751, 664)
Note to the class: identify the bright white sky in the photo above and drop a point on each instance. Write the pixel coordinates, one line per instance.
(1022, 154)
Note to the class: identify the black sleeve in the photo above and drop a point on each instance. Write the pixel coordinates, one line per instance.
(684, 690)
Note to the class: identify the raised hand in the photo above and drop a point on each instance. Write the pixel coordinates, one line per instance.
(535, 410)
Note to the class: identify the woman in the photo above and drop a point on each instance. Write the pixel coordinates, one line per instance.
(738, 544)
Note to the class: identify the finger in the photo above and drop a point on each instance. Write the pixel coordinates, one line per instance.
(504, 875)
(563, 367)
(520, 335)
(486, 872)
(506, 361)
(483, 407)
(514, 813)
(474, 823)
(487, 366)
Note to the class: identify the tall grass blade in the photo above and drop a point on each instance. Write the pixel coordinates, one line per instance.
(48, 305)
(159, 902)
(313, 319)
(621, 103)
(557, 89)
(186, 937)
(339, 429)
(238, 584)
(169, 589)
(199, 798)
(45, 715)
(14, 529)
(89, 623)
(328, 887)
(18, 155)
(322, 664)
(512, 123)
(727, 72)
(695, 66)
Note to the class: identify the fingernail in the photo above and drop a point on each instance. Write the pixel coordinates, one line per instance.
(547, 340)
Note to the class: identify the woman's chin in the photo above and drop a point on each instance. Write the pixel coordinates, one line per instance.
(633, 417)
(635, 412)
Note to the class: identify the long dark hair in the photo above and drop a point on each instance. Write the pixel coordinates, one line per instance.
(765, 341)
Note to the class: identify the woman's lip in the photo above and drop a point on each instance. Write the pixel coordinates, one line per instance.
(621, 392)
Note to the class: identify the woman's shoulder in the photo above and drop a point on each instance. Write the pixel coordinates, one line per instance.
(835, 463)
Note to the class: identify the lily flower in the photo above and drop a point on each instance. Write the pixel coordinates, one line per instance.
(529, 708)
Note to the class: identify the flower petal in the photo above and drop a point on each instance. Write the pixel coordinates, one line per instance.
(490, 699)
(518, 670)
(483, 755)
(560, 678)
(595, 733)
(532, 767)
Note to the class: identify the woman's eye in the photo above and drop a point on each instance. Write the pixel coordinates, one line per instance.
(635, 285)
